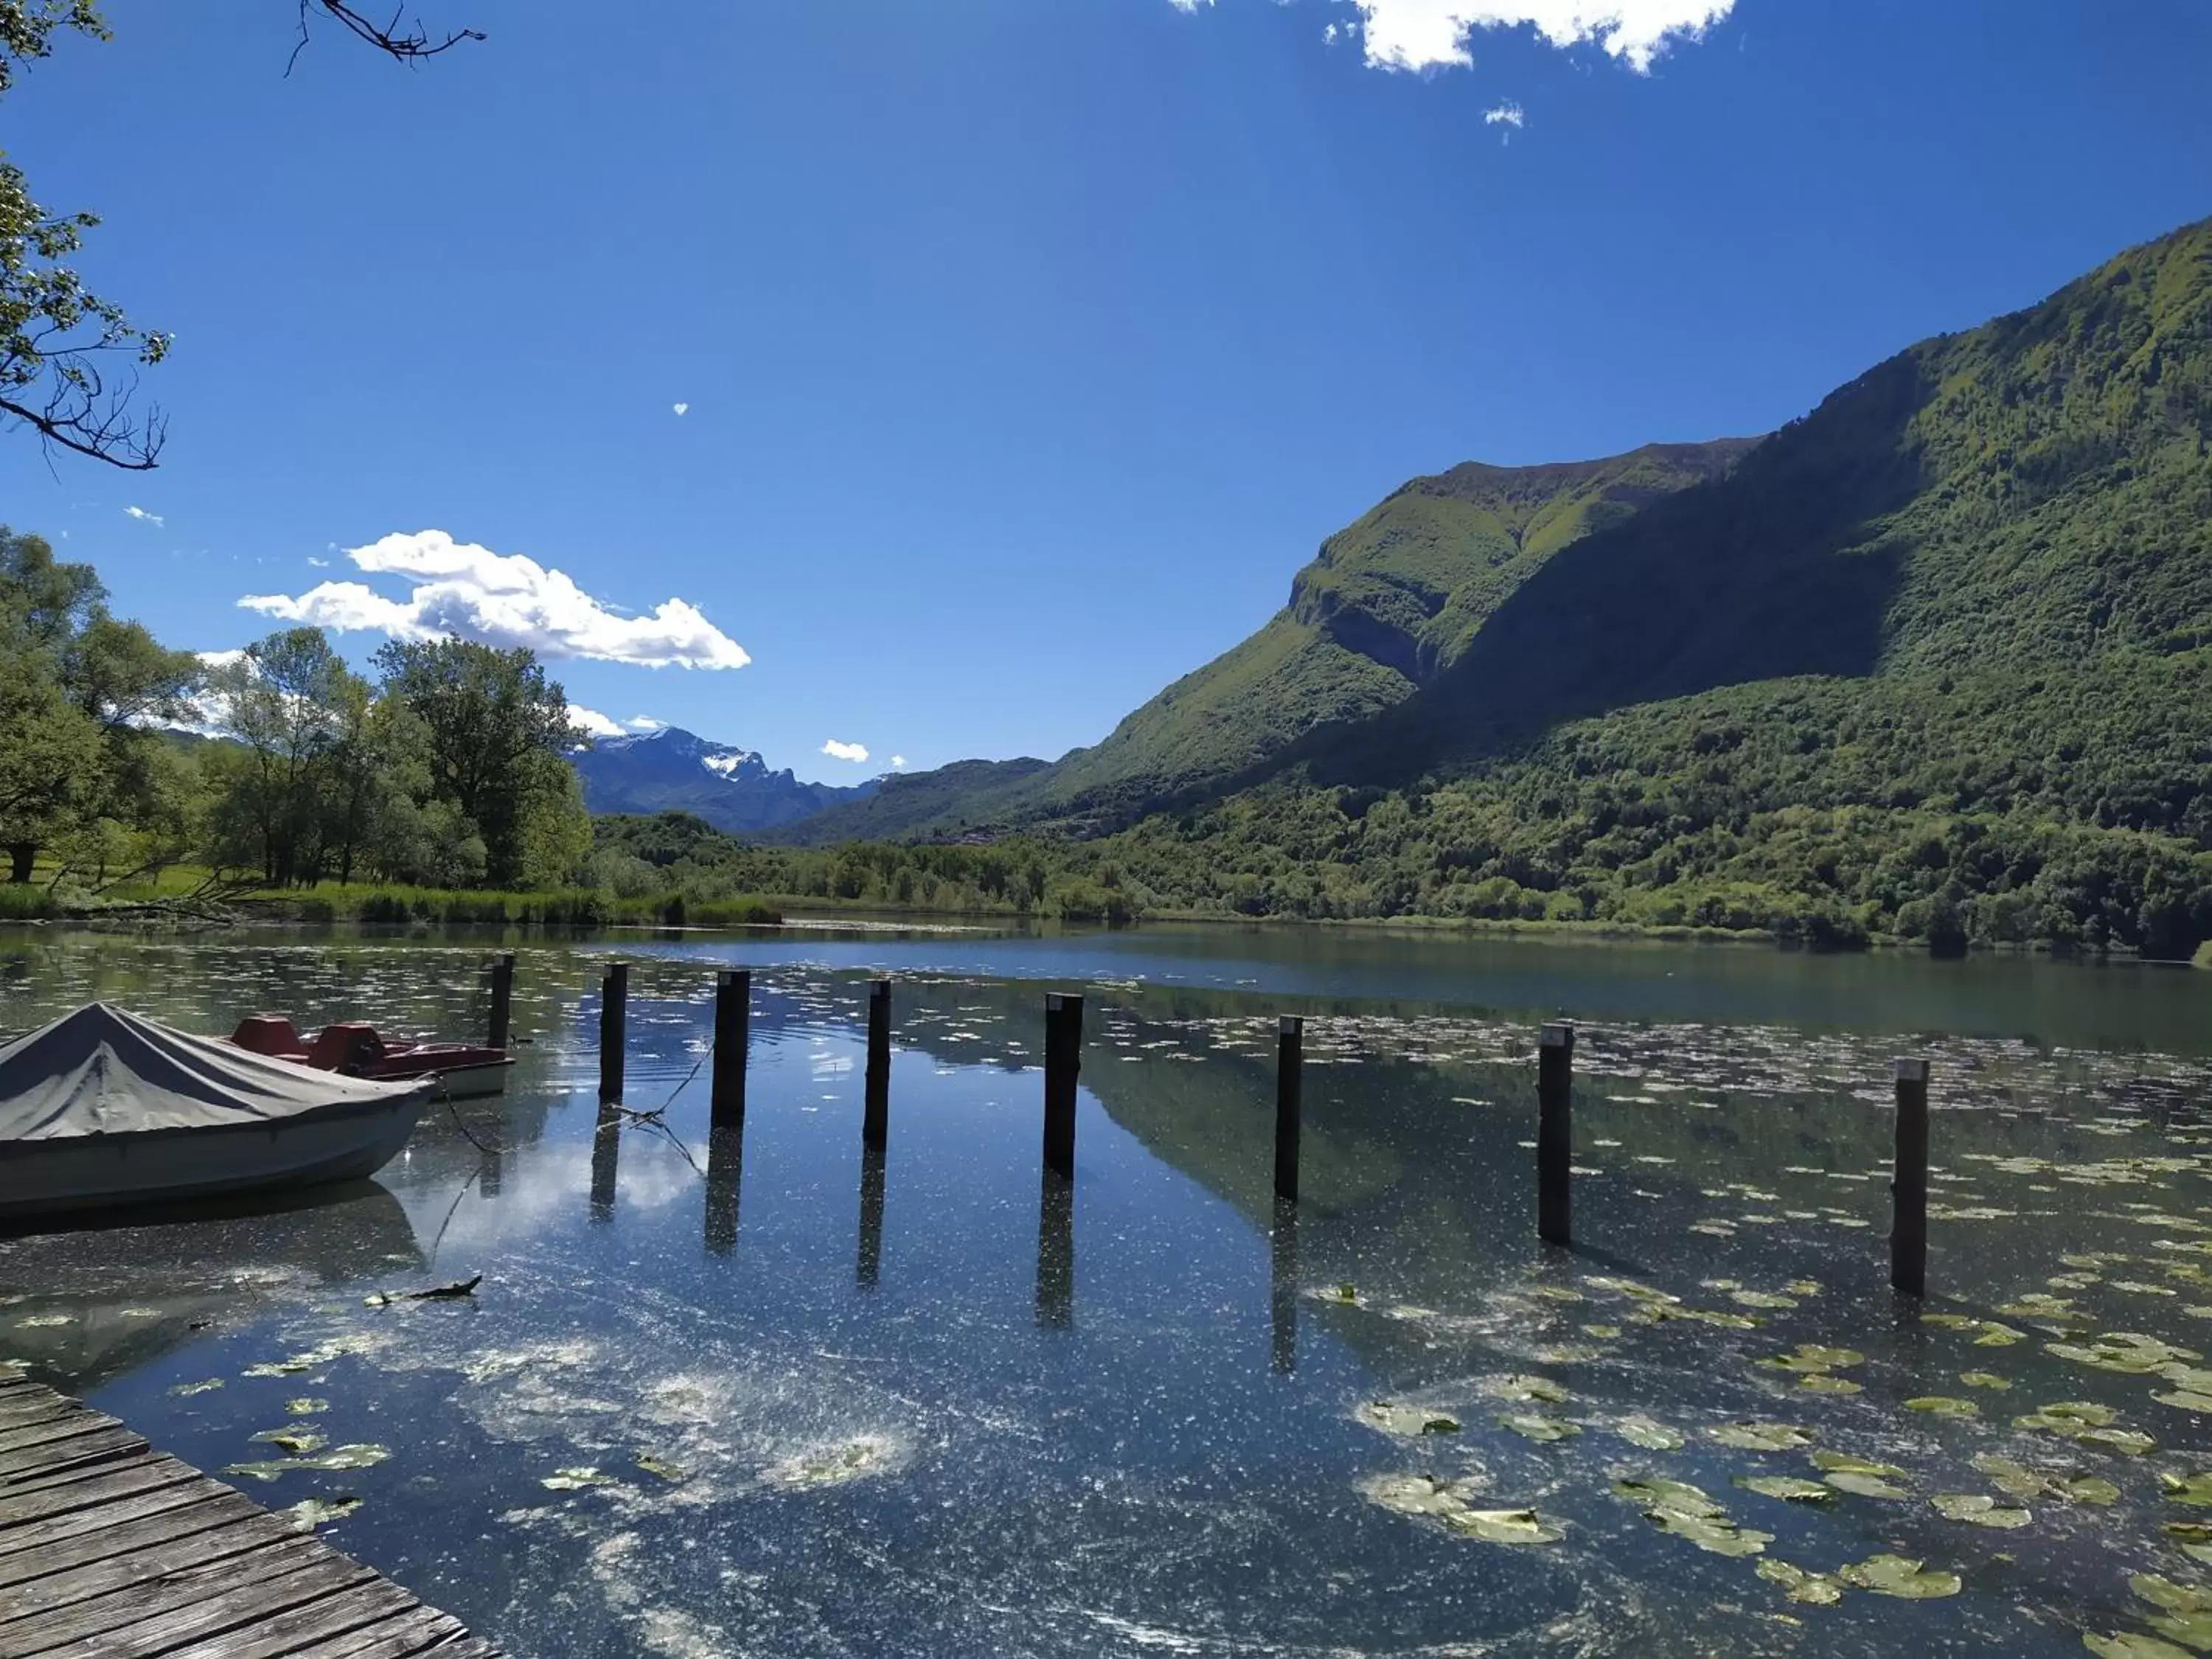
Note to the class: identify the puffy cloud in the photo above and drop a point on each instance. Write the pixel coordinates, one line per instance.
(153, 518)
(1420, 34)
(501, 600)
(681, 409)
(898, 763)
(591, 722)
(845, 751)
(599, 725)
(1507, 114)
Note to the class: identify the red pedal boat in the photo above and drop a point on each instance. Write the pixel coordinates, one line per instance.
(354, 1048)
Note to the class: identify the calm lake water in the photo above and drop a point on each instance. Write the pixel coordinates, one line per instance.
(768, 1399)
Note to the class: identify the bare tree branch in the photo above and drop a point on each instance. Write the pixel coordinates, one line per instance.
(401, 39)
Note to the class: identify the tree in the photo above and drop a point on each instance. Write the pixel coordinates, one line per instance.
(495, 734)
(285, 700)
(78, 690)
(59, 341)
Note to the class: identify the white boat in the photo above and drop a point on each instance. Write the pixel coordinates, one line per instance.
(104, 1109)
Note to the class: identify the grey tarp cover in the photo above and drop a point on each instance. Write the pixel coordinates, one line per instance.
(103, 1072)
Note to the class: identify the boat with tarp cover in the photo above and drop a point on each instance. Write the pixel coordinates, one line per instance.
(104, 1109)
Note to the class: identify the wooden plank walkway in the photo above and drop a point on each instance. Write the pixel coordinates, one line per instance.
(112, 1550)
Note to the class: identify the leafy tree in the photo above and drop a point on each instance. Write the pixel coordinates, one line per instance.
(78, 687)
(494, 733)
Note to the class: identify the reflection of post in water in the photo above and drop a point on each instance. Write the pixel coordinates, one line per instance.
(1283, 1299)
(492, 1168)
(606, 1151)
(1055, 1278)
(725, 1162)
(872, 1216)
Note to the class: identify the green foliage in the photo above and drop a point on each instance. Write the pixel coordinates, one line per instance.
(568, 907)
(1932, 663)
(56, 334)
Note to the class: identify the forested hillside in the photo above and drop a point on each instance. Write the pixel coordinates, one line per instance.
(1389, 602)
(1931, 661)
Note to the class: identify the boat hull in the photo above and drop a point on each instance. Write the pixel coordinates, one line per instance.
(82, 1173)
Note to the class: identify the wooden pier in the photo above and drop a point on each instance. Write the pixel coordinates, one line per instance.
(112, 1550)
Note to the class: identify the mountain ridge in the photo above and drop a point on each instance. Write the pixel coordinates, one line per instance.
(671, 770)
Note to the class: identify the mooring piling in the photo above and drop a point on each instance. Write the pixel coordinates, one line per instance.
(1063, 1058)
(502, 1001)
(614, 1003)
(1290, 1089)
(733, 996)
(875, 1117)
(1908, 1230)
(1555, 1136)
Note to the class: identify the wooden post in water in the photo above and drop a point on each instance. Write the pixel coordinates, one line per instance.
(1063, 1058)
(1055, 1275)
(875, 1114)
(733, 996)
(1908, 1228)
(606, 1158)
(1290, 1090)
(1555, 1136)
(614, 1001)
(726, 1155)
(503, 1000)
(1283, 1288)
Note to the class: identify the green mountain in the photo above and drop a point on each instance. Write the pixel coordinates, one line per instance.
(1388, 604)
(1934, 660)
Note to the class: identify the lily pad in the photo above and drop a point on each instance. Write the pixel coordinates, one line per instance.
(1789, 1487)
(576, 1479)
(305, 1407)
(1979, 1510)
(1521, 1387)
(2195, 1490)
(1942, 1405)
(1816, 1589)
(1822, 1384)
(211, 1382)
(1393, 1417)
(1506, 1526)
(338, 1458)
(1651, 1436)
(1813, 1357)
(2132, 1644)
(310, 1513)
(1761, 1437)
(1984, 1380)
(1536, 1427)
(1684, 1511)
(1899, 1575)
(2067, 1417)
(2167, 1596)
(294, 1437)
(659, 1466)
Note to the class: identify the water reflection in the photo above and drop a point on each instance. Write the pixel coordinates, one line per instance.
(1283, 1287)
(1055, 1271)
(725, 1166)
(606, 1158)
(870, 1261)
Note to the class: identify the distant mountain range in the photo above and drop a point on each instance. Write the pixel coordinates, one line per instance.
(672, 771)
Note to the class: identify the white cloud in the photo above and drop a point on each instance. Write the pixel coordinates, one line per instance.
(898, 763)
(501, 600)
(681, 409)
(845, 751)
(320, 564)
(645, 723)
(593, 721)
(1420, 34)
(153, 518)
(1507, 114)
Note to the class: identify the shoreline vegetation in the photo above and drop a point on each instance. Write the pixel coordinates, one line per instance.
(188, 898)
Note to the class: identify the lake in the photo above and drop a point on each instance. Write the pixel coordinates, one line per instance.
(725, 1396)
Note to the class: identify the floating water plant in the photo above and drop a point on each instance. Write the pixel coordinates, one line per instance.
(1815, 1588)
(1899, 1575)
(1446, 1502)
(1979, 1510)
(338, 1458)
(576, 1478)
(1392, 1417)
(1534, 1426)
(1789, 1488)
(294, 1437)
(1640, 1431)
(1858, 1476)
(305, 1406)
(1761, 1437)
(312, 1512)
(1942, 1405)
(1685, 1511)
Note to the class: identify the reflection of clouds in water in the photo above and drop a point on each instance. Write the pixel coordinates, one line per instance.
(546, 1183)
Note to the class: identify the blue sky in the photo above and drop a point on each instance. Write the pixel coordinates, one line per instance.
(1026, 348)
